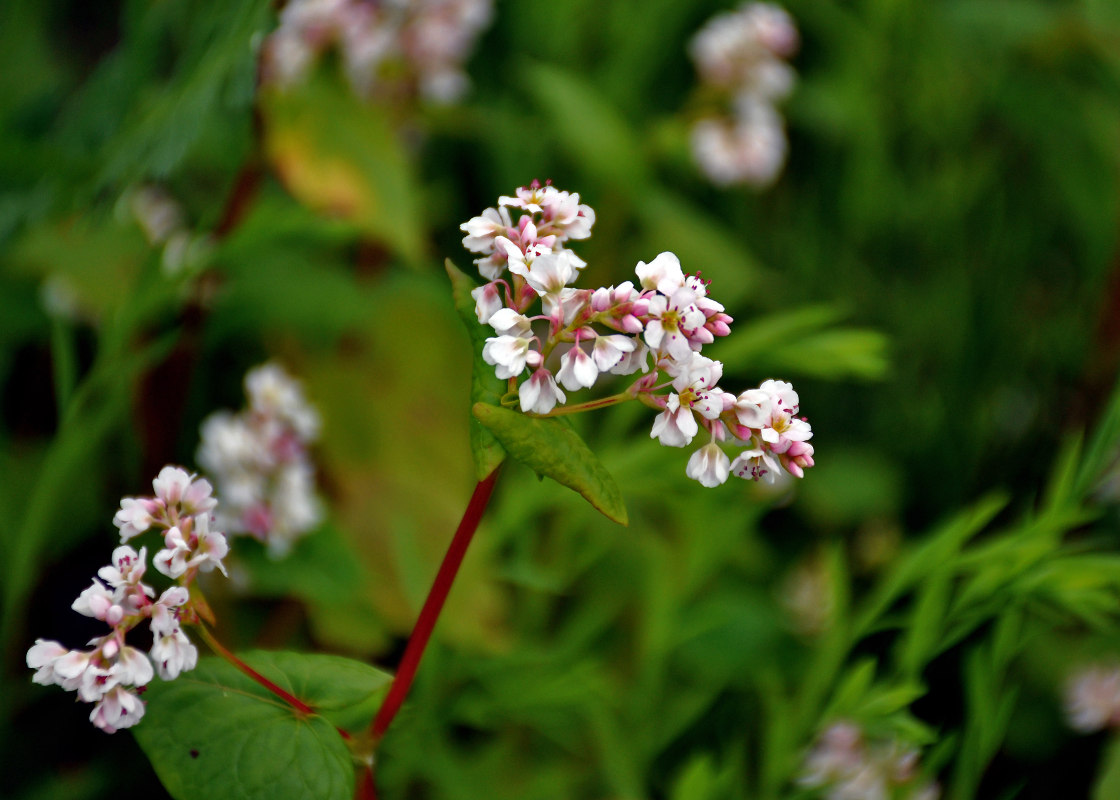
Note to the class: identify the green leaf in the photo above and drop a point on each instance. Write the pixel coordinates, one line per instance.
(215, 733)
(344, 159)
(1107, 785)
(486, 387)
(549, 447)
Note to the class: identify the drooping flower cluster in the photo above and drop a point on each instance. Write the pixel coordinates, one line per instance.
(386, 47)
(1092, 698)
(112, 674)
(259, 460)
(740, 58)
(658, 327)
(844, 765)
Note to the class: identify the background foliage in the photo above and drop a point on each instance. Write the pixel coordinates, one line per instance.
(936, 271)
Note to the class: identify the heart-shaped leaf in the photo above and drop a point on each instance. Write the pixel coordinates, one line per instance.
(549, 447)
(215, 733)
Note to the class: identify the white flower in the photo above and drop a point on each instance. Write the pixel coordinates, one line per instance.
(175, 487)
(752, 408)
(507, 322)
(548, 274)
(202, 549)
(482, 230)
(636, 359)
(675, 426)
(134, 516)
(709, 465)
(664, 273)
(172, 560)
(273, 393)
(540, 394)
(42, 657)
(165, 611)
(1092, 700)
(96, 601)
(487, 301)
(508, 354)
(172, 654)
(127, 569)
(754, 464)
(750, 149)
(132, 668)
(671, 321)
(578, 370)
(609, 351)
(118, 708)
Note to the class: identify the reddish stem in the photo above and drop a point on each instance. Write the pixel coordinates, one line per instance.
(365, 790)
(284, 695)
(429, 614)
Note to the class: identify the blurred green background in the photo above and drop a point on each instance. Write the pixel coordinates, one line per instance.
(936, 271)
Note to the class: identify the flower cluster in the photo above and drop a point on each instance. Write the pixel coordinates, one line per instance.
(657, 326)
(258, 458)
(113, 673)
(1092, 698)
(845, 766)
(384, 47)
(161, 218)
(739, 56)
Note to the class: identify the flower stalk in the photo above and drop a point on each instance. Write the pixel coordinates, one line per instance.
(229, 656)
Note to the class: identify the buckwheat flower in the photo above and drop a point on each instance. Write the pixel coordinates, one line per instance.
(127, 569)
(487, 301)
(751, 149)
(199, 549)
(1092, 699)
(508, 354)
(636, 359)
(676, 426)
(709, 465)
(482, 230)
(782, 429)
(663, 274)
(133, 667)
(294, 507)
(838, 752)
(97, 602)
(671, 320)
(578, 370)
(540, 394)
(174, 486)
(608, 351)
(755, 464)
(752, 408)
(797, 458)
(273, 393)
(563, 212)
(165, 611)
(507, 322)
(42, 657)
(548, 274)
(172, 653)
(848, 767)
(259, 460)
(529, 198)
(135, 516)
(118, 708)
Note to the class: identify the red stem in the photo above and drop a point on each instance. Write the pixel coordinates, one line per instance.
(429, 614)
(221, 650)
(365, 790)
